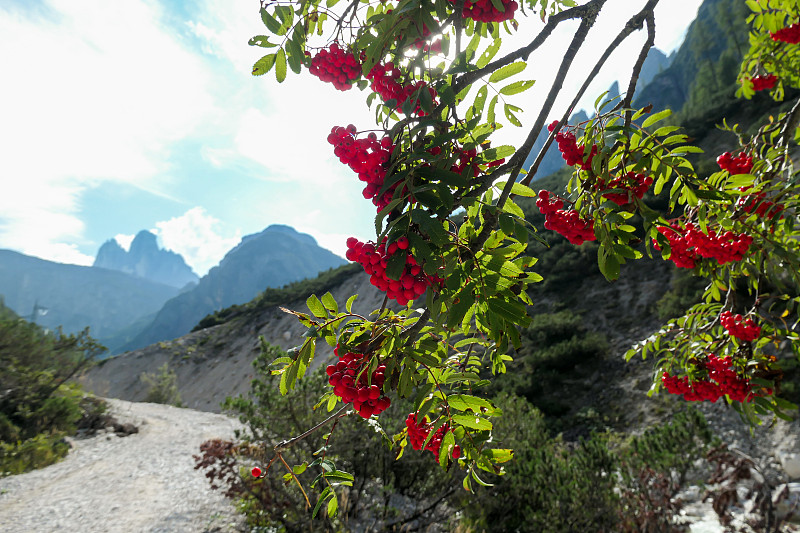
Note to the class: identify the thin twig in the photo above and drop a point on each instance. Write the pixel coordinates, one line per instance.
(294, 477)
(286, 444)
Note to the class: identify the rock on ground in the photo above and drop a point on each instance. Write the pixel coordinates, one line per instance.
(142, 482)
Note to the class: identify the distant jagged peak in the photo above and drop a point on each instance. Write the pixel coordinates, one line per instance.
(146, 260)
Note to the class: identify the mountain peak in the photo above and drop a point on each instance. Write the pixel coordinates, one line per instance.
(146, 260)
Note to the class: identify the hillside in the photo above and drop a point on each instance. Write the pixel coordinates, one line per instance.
(75, 297)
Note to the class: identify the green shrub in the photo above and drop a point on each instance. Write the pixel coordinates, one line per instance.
(37, 452)
(606, 483)
(163, 386)
(37, 407)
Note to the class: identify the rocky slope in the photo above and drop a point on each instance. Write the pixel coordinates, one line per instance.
(216, 362)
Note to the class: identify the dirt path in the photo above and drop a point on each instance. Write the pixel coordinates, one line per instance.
(142, 482)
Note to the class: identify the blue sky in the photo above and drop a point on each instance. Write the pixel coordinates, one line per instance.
(142, 114)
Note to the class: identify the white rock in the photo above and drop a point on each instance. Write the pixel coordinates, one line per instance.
(790, 463)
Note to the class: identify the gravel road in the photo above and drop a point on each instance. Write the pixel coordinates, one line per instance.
(142, 482)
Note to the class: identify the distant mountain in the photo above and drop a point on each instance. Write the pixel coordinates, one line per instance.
(72, 296)
(276, 256)
(146, 260)
(708, 58)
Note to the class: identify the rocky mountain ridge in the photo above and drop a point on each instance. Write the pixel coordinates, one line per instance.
(146, 260)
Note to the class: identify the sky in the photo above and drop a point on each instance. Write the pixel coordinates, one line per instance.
(142, 114)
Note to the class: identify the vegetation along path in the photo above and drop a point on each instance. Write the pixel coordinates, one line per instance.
(143, 482)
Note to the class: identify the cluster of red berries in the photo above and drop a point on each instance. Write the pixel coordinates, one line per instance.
(636, 185)
(337, 66)
(567, 223)
(758, 203)
(789, 34)
(386, 82)
(353, 383)
(367, 157)
(413, 281)
(484, 10)
(570, 151)
(741, 164)
(679, 248)
(722, 380)
(419, 431)
(764, 83)
(726, 247)
(690, 243)
(743, 329)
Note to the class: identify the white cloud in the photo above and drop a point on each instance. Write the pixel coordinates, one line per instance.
(124, 240)
(98, 91)
(196, 235)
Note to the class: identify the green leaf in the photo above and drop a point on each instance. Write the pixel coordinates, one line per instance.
(264, 65)
(517, 87)
(322, 497)
(316, 307)
(652, 119)
(490, 117)
(330, 303)
(280, 66)
(262, 41)
(480, 100)
(395, 266)
(490, 52)
(333, 506)
(473, 422)
(466, 402)
(511, 311)
(507, 71)
(270, 22)
(446, 448)
(507, 109)
(499, 455)
(349, 305)
(522, 190)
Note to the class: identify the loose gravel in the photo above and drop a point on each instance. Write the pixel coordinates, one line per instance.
(143, 482)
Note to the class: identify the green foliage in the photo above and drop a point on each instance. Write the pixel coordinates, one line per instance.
(163, 386)
(36, 452)
(593, 485)
(37, 407)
